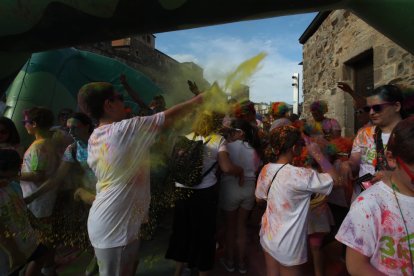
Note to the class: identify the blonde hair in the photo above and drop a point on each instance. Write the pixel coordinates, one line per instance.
(208, 123)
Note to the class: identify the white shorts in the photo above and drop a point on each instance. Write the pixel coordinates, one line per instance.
(118, 261)
(233, 196)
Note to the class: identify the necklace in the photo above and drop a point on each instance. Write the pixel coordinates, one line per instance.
(394, 189)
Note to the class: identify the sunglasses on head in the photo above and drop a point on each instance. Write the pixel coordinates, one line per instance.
(406, 168)
(376, 107)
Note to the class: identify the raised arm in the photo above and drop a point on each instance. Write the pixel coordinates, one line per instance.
(315, 151)
(359, 101)
(182, 109)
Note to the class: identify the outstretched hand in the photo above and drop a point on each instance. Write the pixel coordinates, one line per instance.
(345, 87)
(193, 87)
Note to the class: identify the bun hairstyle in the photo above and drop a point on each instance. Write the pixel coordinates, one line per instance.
(401, 142)
(319, 106)
(281, 140)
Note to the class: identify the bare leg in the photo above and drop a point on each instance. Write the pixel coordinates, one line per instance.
(272, 266)
(241, 234)
(296, 270)
(317, 260)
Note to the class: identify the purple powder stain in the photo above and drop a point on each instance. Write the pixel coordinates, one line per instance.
(350, 229)
(359, 242)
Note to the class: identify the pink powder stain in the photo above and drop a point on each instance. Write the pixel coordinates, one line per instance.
(400, 229)
(286, 205)
(361, 198)
(389, 262)
(386, 219)
(367, 216)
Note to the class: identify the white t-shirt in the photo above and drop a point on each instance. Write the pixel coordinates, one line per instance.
(243, 155)
(40, 156)
(118, 154)
(374, 227)
(285, 222)
(216, 144)
(364, 144)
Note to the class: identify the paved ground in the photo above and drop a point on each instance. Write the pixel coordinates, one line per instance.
(152, 261)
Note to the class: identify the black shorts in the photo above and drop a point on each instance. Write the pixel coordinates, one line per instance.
(193, 235)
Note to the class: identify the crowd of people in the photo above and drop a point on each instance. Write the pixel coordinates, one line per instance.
(85, 184)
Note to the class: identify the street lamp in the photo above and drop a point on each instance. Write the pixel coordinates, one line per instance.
(295, 84)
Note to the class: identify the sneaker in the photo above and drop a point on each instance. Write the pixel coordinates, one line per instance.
(229, 266)
(242, 268)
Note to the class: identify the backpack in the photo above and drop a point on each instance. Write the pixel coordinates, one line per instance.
(186, 164)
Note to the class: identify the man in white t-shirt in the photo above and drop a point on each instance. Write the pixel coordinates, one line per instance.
(118, 154)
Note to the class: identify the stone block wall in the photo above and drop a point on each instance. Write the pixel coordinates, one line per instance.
(163, 70)
(341, 37)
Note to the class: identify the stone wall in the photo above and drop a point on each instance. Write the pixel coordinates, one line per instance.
(341, 37)
(163, 70)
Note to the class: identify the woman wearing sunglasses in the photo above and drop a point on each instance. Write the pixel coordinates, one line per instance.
(379, 229)
(384, 107)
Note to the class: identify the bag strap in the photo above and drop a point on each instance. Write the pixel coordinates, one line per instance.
(209, 170)
(73, 151)
(274, 178)
(382, 163)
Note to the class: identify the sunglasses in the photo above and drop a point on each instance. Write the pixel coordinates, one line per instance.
(376, 107)
(406, 168)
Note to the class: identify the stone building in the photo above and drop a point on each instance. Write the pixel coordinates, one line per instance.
(338, 46)
(139, 52)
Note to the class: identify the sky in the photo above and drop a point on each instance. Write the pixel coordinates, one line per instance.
(220, 49)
